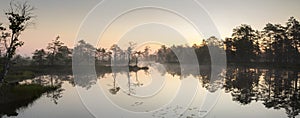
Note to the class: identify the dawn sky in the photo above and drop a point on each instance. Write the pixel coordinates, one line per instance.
(63, 17)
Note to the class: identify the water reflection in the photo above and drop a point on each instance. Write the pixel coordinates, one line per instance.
(115, 89)
(22, 95)
(273, 88)
(52, 80)
(277, 89)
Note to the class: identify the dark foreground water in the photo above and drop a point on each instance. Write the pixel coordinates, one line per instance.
(169, 91)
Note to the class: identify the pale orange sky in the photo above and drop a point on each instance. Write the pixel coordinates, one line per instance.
(63, 17)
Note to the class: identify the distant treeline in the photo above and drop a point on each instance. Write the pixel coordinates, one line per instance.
(275, 43)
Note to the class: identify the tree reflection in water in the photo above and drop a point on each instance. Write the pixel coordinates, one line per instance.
(274, 88)
(115, 89)
(16, 98)
(53, 80)
(133, 84)
(277, 89)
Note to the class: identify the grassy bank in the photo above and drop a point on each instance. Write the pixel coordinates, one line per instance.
(21, 92)
(18, 96)
(19, 73)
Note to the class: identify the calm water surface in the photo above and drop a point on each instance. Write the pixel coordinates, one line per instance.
(242, 92)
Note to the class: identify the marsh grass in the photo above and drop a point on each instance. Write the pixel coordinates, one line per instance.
(14, 97)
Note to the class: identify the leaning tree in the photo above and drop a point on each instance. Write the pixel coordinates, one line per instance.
(19, 16)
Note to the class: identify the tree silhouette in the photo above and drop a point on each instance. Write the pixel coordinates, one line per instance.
(56, 54)
(84, 53)
(19, 16)
(53, 48)
(245, 43)
(117, 53)
(130, 51)
(101, 54)
(64, 55)
(138, 54)
(39, 57)
(229, 49)
(284, 50)
(147, 52)
(293, 34)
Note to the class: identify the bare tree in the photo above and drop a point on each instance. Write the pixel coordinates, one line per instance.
(19, 16)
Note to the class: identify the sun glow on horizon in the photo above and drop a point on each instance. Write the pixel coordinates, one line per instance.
(140, 26)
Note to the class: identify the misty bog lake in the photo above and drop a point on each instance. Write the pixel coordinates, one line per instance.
(240, 92)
